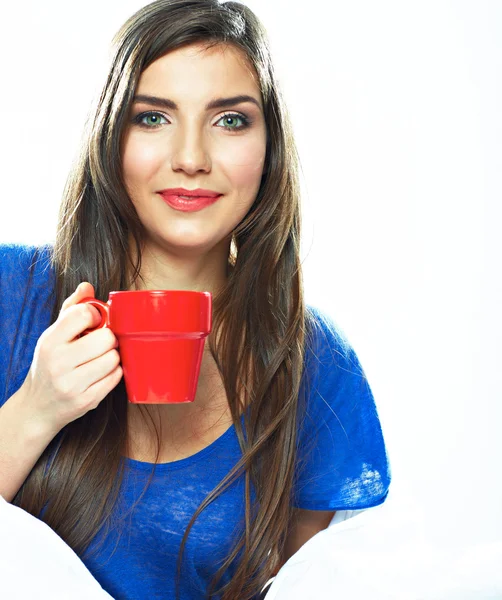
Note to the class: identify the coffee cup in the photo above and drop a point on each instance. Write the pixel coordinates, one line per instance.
(161, 336)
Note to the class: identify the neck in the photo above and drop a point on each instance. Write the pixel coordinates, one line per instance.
(164, 270)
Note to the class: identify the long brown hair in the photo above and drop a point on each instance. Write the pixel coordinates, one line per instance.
(259, 316)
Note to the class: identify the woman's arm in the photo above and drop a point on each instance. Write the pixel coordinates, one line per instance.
(68, 377)
(304, 525)
(22, 441)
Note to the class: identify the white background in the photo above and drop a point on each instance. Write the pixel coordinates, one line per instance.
(396, 109)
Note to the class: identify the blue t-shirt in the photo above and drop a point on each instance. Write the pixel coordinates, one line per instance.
(341, 451)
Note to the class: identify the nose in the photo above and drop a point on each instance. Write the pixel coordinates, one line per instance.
(190, 152)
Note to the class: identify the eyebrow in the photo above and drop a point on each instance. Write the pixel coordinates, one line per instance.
(217, 103)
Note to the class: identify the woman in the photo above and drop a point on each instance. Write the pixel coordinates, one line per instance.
(210, 499)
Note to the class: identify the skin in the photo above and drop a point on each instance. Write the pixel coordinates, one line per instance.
(70, 375)
(190, 148)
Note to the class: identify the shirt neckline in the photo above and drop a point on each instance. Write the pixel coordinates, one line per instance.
(182, 462)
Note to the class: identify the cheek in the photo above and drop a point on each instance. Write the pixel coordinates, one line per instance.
(243, 163)
(140, 162)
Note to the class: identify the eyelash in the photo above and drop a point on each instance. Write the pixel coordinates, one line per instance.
(246, 122)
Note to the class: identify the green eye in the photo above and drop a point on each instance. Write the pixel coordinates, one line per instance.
(150, 120)
(230, 122)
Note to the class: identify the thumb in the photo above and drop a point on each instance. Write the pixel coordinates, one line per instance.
(84, 290)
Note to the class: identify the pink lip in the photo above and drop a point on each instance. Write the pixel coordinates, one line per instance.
(184, 192)
(193, 204)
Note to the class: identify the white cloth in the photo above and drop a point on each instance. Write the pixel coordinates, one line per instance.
(381, 554)
(36, 563)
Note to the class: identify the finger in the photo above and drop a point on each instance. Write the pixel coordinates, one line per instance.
(84, 290)
(72, 322)
(99, 390)
(91, 346)
(97, 369)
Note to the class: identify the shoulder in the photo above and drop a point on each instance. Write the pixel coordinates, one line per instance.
(342, 455)
(334, 379)
(20, 261)
(13, 257)
(328, 351)
(325, 323)
(25, 273)
(19, 266)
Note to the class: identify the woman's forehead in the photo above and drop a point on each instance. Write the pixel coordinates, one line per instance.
(196, 67)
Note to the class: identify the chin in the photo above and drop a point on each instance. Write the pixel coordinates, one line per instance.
(192, 243)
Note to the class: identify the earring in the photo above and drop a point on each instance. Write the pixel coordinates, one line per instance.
(233, 249)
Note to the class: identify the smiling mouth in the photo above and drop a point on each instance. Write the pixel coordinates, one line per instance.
(185, 203)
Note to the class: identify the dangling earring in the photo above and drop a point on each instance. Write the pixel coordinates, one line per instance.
(233, 250)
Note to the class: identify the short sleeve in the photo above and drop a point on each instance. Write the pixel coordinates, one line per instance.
(342, 461)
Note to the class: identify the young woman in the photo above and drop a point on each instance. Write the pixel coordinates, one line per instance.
(207, 499)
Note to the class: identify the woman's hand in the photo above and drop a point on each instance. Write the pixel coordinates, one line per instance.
(71, 375)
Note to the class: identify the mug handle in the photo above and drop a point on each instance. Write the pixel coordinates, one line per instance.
(104, 310)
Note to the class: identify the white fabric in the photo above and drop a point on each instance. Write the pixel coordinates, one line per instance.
(36, 563)
(381, 554)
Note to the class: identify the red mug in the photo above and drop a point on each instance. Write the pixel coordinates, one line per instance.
(161, 335)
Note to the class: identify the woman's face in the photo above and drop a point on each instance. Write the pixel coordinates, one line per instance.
(180, 141)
